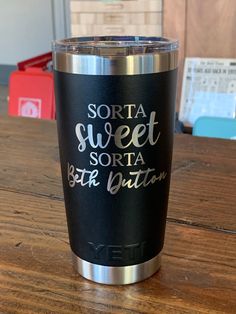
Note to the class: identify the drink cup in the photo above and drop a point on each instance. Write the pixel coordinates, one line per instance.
(115, 101)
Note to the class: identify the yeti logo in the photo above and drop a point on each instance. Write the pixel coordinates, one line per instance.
(117, 252)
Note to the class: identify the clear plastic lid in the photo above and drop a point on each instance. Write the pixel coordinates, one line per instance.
(115, 45)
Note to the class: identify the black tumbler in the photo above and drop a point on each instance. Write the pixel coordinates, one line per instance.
(115, 99)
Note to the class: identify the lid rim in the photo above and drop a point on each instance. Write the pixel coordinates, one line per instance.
(115, 45)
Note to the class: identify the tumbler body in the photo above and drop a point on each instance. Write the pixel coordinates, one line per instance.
(115, 101)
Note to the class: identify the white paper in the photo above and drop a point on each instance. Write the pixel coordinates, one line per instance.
(209, 89)
(212, 105)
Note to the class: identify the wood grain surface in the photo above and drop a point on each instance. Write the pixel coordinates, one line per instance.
(198, 272)
(210, 29)
(174, 26)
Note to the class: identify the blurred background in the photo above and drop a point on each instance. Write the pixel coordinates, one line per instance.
(205, 29)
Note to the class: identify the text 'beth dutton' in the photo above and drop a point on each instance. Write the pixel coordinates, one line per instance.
(116, 181)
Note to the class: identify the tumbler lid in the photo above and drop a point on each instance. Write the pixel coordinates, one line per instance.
(115, 45)
(115, 55)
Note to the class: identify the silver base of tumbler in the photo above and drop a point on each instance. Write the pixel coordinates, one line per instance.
(121, 275)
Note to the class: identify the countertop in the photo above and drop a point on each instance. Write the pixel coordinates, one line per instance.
(198, 272)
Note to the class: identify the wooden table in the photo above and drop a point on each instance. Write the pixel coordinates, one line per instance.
(198, 273)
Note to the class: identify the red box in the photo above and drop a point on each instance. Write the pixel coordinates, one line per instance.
(31, 91)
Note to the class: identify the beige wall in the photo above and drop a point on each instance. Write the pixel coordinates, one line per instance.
(25, 29)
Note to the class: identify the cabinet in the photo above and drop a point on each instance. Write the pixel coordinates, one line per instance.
(136, 17)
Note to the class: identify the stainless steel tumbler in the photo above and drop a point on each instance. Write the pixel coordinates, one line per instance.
(115, 100)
